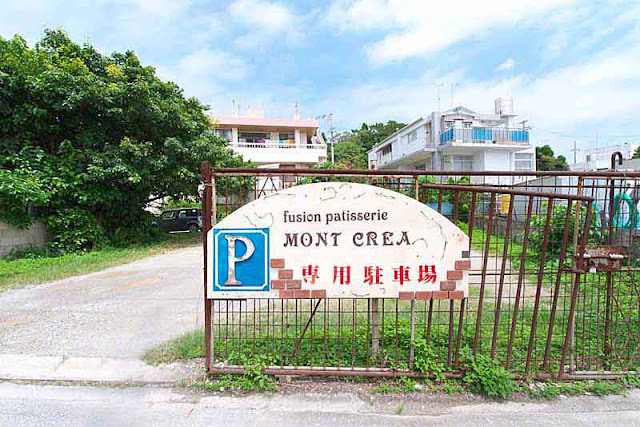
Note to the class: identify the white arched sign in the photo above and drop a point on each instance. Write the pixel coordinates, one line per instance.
(337, 240)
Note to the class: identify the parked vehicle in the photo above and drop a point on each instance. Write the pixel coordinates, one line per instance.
(183, 219)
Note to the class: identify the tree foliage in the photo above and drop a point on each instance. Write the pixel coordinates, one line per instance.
(351, 147)
(636, 154)
(547, 161)
(95, 138)
(369, 135)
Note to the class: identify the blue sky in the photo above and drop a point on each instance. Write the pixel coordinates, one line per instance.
(573, 68)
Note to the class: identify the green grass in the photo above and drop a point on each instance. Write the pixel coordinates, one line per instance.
(549, 390)
(34, 270)
(187, 346)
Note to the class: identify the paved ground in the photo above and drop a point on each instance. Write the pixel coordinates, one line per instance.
(27, 405)
(115, 313)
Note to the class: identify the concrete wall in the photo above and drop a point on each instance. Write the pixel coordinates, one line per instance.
(15, 238)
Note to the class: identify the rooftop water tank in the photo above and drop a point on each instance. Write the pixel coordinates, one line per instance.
(504, 106)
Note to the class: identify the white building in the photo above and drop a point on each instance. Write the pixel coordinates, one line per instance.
(600, 158)
(287, 143)
(459, 140)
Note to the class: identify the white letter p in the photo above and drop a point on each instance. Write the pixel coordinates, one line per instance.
(232, 259)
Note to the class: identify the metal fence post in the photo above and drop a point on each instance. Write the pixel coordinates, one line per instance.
(571, 331)
(206, 226)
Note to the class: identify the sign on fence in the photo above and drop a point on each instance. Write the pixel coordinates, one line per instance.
(337, 240)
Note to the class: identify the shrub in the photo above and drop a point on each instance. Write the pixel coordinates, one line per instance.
(74, 230)
(488, 377)
(557, 229)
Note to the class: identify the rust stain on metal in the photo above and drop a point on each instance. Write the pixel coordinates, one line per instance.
(594, 258)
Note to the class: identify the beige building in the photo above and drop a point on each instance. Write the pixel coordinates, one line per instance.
(275, 142)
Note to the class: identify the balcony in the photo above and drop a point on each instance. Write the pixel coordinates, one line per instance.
(268, 151)
(502, 136)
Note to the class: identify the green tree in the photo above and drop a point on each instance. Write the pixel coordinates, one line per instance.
(351, 147)
(547, 161)
(370, 134)
(95, 138)
(636, 154)
(350, 154)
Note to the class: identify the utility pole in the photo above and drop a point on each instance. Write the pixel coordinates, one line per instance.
(329, 118)
(575, 152)
(333, 157)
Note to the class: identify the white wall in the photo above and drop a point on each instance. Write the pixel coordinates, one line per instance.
(478, 161)
(14, 238)
(402, 147)
(497, 160)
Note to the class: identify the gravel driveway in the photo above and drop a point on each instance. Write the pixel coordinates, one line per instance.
(119, 312)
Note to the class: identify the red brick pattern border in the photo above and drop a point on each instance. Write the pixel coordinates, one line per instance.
(289, 288)
(277, 263)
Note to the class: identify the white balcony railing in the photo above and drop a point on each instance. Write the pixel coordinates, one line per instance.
(269, 144)
(272, 152)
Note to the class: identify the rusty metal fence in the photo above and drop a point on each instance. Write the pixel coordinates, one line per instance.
(553, 285)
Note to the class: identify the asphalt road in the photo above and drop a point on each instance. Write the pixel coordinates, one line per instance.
(29, 405)
(119, 312)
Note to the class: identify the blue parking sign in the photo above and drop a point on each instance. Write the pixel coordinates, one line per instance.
(241, 259)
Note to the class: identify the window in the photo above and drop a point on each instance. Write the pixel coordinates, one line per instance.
(462, 163)
(387, 149)
(182, 214)
(523, 161)
(168, 215)
(253, 137)
(223, 133)
(283, 136)
(412, 136)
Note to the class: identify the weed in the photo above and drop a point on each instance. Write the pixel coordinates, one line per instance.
(406, 384)
(385, 388)
(451, 387)
(253, 378)
(549, 389)
(603, 388)
(400, 409)
(488, 377)
(631, 381)
(426, 360)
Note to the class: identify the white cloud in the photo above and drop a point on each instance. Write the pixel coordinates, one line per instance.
(420, 27)
(263, 20)
(506, 65)
(204, 73)
(603, 90)
(361, 15)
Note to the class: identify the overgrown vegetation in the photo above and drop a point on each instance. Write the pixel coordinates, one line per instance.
(487, 377)
(88, 140)
(482, 375)
(252, 379)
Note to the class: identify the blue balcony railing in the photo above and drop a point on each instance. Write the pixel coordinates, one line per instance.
(485, 135)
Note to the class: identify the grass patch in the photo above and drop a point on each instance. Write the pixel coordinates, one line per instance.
(187, 346)
(35, 268)
(483, 375)
(550, 390)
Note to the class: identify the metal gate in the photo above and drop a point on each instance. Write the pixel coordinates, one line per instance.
(548, 297)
